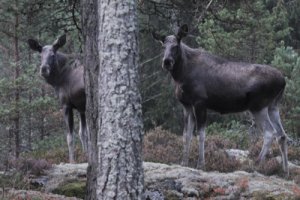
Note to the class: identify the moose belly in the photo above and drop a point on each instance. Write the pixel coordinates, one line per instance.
(222, 102)
(225, 105)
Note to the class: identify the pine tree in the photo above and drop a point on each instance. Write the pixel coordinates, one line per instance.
(120, 171)
(245, 31)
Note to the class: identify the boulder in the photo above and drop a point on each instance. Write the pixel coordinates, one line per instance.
(29, 194)
(164, 181)
(177, 182)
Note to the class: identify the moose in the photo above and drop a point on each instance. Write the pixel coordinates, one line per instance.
(67, 79)
(205, 81)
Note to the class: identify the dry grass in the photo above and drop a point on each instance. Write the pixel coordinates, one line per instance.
(30, 166)
(165, 147)
(162, 146)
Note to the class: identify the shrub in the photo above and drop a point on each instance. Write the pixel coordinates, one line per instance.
(165, 147)
(270, 167)
(233, 131)
(15, 180)
(256, 147)
(30, 166)
(162, 146)
(295, 175)
(293, 153)
(216, 157)
(54, 149)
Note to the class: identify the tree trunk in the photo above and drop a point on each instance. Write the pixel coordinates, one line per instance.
(30, 130)
(120, 172)
(17, 89)
(91, 60)
(42, 117)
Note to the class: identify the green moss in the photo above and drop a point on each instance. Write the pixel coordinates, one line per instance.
(171, 195)
(260, 195)
(72, 189)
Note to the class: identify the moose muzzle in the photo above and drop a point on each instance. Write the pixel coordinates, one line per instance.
(168, 64)
(45, 70)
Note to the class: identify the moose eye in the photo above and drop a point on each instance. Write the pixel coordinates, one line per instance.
(52, 56)
(174, 47)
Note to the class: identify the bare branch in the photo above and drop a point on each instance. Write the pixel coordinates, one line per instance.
(149, 60)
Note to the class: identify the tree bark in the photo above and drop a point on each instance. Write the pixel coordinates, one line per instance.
(90, 60)
(42, 117)
(16, 77)
(120, 172)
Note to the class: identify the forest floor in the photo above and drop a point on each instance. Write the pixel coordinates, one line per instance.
(230, 172)
(164, 181)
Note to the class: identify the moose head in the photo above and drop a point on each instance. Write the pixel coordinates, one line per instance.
(172, 48)
(49, 59)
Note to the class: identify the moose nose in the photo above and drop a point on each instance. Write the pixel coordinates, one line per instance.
(168, 63)
(44, 70)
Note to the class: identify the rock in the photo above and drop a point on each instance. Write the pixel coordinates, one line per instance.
(290, 164)
(164, 181)
(27, 194)
(75, 188)
(238, 154)
(65, 173)
(38, 182)
(197, 184)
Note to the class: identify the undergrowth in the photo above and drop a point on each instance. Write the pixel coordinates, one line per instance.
(165, 147)
(55, 150)
(159, 146)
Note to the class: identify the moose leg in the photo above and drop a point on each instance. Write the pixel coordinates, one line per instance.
(281, 136)
(68, 115)
(200, 113)
(188, 129)
(264, 123)
(83, 132)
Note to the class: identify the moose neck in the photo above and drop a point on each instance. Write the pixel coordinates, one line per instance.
(180, 64)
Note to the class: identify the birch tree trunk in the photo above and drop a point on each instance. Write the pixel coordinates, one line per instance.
(120, 172)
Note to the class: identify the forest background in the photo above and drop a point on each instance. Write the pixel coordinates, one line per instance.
(258, 31)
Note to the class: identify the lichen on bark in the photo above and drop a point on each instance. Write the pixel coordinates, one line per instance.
(120, 172)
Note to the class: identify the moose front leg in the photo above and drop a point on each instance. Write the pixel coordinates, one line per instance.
(68, 115)
(83, 132)
(189, 124)
(200, 113)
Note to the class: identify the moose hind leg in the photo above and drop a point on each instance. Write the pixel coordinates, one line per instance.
(189, 125)
(264, 123)
(281, 136)
(83, 132)
(68, 115)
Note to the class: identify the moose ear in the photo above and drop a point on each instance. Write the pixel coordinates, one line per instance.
(34, 45)
(182, 31)
(158, 37)
(61, 41)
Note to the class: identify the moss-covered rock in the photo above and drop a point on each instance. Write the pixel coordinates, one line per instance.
(260, 195)
(33, 195)
(72, 189)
